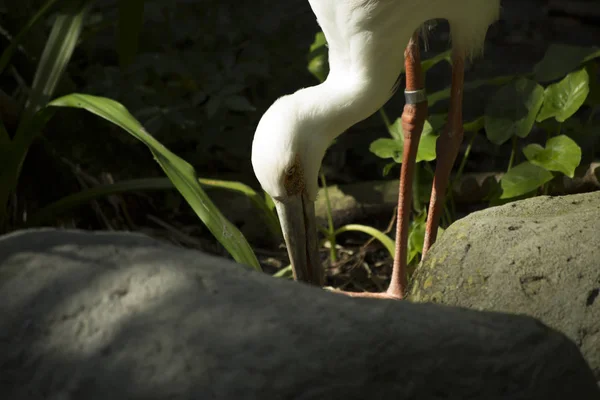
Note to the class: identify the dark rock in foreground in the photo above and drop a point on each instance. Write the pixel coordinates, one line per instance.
(121, 316)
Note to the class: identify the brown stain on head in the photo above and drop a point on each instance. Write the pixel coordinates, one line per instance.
(293, 178)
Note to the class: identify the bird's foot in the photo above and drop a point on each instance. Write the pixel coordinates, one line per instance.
(368, 295)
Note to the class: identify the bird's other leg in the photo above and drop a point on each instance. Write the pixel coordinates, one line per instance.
(446, 150)
(413, 118)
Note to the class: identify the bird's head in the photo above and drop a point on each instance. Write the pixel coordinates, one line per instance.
(287, 151)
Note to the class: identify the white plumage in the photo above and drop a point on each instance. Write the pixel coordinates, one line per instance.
(366, 40)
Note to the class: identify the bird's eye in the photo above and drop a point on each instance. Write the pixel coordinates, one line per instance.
(290, 171)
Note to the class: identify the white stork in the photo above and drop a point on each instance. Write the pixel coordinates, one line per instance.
(365, 38)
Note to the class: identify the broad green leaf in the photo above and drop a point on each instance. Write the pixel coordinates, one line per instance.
(564, 98)
(434, 124)
(561, 154)
(560, 59)
(523, 179)
(377, 234)
(131, 19)
(318, 64)
(512, 110)
(179, 172)
(387, 148)
(393, 148)
(9, 51)
(444, 94)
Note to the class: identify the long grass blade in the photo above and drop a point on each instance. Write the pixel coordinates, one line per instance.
(179, 172)
(10, 50)
(145, 184)
(387, 242)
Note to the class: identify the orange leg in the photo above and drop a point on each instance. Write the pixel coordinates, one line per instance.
(413, 119)
(446, 150)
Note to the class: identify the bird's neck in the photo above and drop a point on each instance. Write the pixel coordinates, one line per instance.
(335, 105)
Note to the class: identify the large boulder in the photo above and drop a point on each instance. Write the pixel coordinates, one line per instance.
(122, 316)
(539, 257)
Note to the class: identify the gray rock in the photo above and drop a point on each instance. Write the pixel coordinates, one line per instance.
(122, 316)
(539, 257)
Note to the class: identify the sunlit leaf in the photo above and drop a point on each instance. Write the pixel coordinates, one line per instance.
(179, 172)
(318, 64)
(512, 110)
(564, 98)
(523, 179)
(561, 154)
(387, 242)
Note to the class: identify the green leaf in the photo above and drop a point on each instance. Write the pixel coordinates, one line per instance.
(431, 62)
(377, 234)
(444, 94)
(9, 51)
(285, 273)
(512, 110)
(148, 184)
(522, 179)
(474, 126)
(387, 148)
(393, 148)
(563, 99)
(131, 19)
(55, 57)
(388, 167)
(179, 172)
(560, 59)
(318, 64)
(561, 154)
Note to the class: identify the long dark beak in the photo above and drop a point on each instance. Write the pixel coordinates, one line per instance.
(297, 218)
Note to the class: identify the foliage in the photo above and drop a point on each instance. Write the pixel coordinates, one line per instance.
(61, 43)
(520, 105)
(54, 59)
(181, 174)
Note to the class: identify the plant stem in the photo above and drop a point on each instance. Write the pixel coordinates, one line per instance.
(513, 153)
(463, 162)
(385, 118)
(331, 229)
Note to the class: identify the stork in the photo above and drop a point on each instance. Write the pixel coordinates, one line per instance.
(364, 38)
